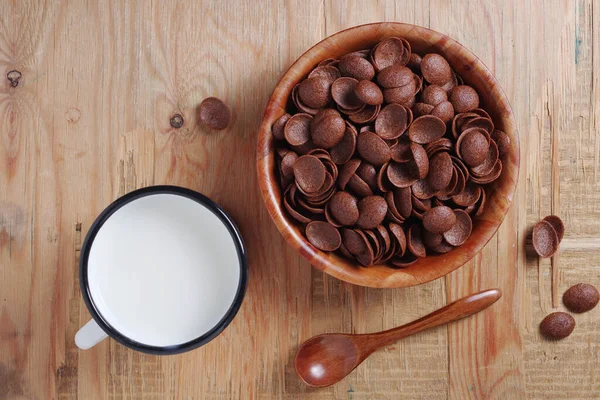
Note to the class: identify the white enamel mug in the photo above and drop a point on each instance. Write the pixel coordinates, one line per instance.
(163, 270)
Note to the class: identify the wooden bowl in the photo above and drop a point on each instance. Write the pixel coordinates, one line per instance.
(500, 193)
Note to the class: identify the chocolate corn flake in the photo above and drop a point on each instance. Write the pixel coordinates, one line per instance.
(385, 156)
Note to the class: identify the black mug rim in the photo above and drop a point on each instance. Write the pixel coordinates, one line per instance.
(135, 195)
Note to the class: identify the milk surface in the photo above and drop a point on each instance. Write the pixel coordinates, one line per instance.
(163, 270)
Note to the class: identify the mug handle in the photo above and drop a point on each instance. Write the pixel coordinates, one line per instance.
(89, 335)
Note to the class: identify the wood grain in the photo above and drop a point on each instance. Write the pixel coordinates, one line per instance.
(89, 120)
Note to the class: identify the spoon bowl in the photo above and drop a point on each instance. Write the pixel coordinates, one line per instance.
(319, 353)
(326, 359)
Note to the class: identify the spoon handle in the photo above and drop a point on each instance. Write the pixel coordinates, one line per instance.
(452, 312)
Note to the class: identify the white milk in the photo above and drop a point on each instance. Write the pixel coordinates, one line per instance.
(163, 270)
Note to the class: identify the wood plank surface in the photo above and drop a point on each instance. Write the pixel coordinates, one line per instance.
(88, 121)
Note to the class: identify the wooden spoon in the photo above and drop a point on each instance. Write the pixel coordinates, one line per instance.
(326, 359)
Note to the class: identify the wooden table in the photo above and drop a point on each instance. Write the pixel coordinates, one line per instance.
(88, 120)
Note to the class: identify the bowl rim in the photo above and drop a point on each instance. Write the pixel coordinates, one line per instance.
(331, 263)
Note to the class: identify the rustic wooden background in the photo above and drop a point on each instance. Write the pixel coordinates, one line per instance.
(89, 121)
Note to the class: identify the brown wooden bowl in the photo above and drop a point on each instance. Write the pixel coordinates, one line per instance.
(500, 193)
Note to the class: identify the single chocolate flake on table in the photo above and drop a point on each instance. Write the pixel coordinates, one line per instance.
(545, 239)
(581, 298)
(214, 113)
(386, 156)
(557, 325)
(557, 224)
